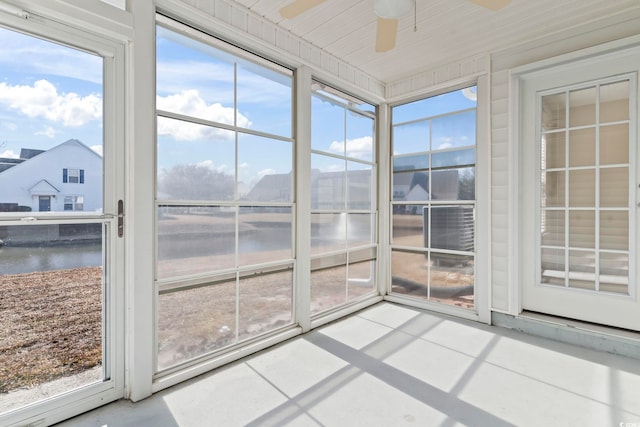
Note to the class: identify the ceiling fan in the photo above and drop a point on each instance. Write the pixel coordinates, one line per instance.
(388, 13)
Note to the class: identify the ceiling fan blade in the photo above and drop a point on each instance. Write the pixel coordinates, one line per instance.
(386, 34)
(297, 7)
(492, 4)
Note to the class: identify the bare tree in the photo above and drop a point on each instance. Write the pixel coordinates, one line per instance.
(195, 182)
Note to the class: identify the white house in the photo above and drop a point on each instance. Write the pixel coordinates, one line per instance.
(68, 177)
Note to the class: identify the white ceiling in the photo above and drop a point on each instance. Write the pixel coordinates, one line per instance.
(447, 30)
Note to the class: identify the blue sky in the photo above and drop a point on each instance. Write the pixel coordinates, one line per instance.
(48, 94)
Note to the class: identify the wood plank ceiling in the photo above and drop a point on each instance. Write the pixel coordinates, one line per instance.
(447, 30)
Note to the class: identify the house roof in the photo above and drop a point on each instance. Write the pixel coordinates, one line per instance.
(11, 163)
(27, 153)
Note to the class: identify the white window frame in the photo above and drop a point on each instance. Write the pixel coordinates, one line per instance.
(482, 266)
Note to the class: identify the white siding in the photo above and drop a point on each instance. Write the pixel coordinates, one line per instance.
(432, 79)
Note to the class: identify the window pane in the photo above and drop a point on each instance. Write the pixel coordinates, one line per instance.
(452, 279)
(409, 222)
(614, 230)
(328, 232)
(582, 270)
(360, 229)
(259, 86)
(264, 234)
(553, 111)
(582, 147)
(452, 227)
(207, 94)
(456, 130)
(411, 138)
(454, 158)
(327, 182)
(411, 186)
(361, 182)
(190, 325)
(327, 126)
(361, 279)
(582, 188)
(553, 150)
(436, 105)
(265, 167)
(614, 144)
(553, 266)
(552, 228)
(195, 162)
(614, 273)
(360, 134)
(454, 184)
(582, 107)
(582, 229)
(257, 314)
(51, 101)
(410, 163)
(553, 189)
(328, 288)
(614, 102)
(51, 305)
(614, 187)
(195, 239)
(410, 273)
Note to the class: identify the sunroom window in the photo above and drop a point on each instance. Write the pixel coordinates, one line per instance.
(225, 211)
(433, 201)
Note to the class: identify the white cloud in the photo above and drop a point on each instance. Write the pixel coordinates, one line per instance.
(97, 149)
(42, 100)
(243, 165)
(9, 154)
(49, 131)
(360, 148)
(209, 164)
(10, 126)
(189, 102)
(445, 143)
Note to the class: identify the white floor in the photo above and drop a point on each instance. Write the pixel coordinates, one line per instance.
(397, 366)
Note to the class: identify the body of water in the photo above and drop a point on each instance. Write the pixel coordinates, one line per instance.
(21, 259)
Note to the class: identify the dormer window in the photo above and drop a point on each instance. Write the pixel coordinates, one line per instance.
(73, 176)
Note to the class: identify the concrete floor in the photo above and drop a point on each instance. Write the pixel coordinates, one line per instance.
(395, 366)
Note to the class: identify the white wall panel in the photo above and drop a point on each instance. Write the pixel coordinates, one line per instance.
(431, 79)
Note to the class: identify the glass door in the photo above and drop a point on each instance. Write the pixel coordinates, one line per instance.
(580, 166)
(58, 243)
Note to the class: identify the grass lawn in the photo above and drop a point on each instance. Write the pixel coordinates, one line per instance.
(50, 325)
